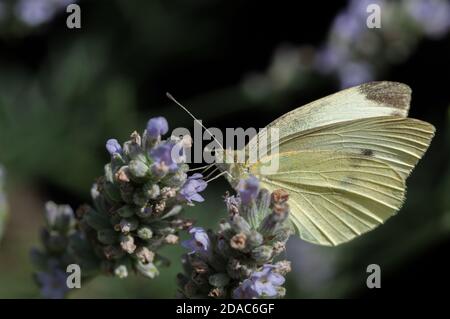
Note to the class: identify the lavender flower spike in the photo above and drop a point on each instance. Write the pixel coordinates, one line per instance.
(190, 190)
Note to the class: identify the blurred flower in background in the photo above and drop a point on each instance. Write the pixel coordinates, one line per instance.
(433, 16)
(33, 13)
(353, 53)
(36, 12)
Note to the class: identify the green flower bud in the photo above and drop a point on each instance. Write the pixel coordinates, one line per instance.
(175, 210)
(176, 180)
(145, 233)
(219, 280)
(262, 254)
(151, 190)
(96, 220)
(109, 175)
(171, 239)
(138, 169)
(254, 239)
(148, 270)
(128, 225)
(127, 243)
(239, 224)
(144, 255)
(263, 202)
(121, 271)
(273, 222)
(127, 192)
(111, 192)
(133, 149)
(107, 236)
(125, 211)
(140, 198)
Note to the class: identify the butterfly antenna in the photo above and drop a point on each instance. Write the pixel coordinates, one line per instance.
(192, 115)
(205, 168)
(211, 173)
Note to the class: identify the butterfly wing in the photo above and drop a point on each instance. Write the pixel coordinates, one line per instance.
(367, 100)
(344, 179)
(398, 142)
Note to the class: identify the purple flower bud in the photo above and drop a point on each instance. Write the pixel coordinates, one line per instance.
(157, 126)
(191, 188)
(199, 243)
(113, 147)
(248, 190)
(162, 155)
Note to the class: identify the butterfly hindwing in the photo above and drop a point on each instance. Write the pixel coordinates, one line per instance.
(334, 196)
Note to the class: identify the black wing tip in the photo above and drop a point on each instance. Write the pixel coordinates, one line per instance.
(395, 94)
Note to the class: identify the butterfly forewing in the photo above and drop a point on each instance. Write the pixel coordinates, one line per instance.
(367, 100)
(399, 142)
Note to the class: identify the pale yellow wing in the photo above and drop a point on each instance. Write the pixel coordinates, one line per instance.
(335, 197)
(341, 188)
(367, 100)
(398, 142)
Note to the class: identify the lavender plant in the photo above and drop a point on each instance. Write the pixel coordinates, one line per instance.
(58, 239)
(136, 210)
(137, 203)
(239, 260)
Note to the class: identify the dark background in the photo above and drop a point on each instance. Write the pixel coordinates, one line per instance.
(64, 92)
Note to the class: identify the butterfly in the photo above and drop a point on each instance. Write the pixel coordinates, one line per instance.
(343, 159)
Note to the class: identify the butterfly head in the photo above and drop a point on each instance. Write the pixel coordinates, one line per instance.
(228, 163)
